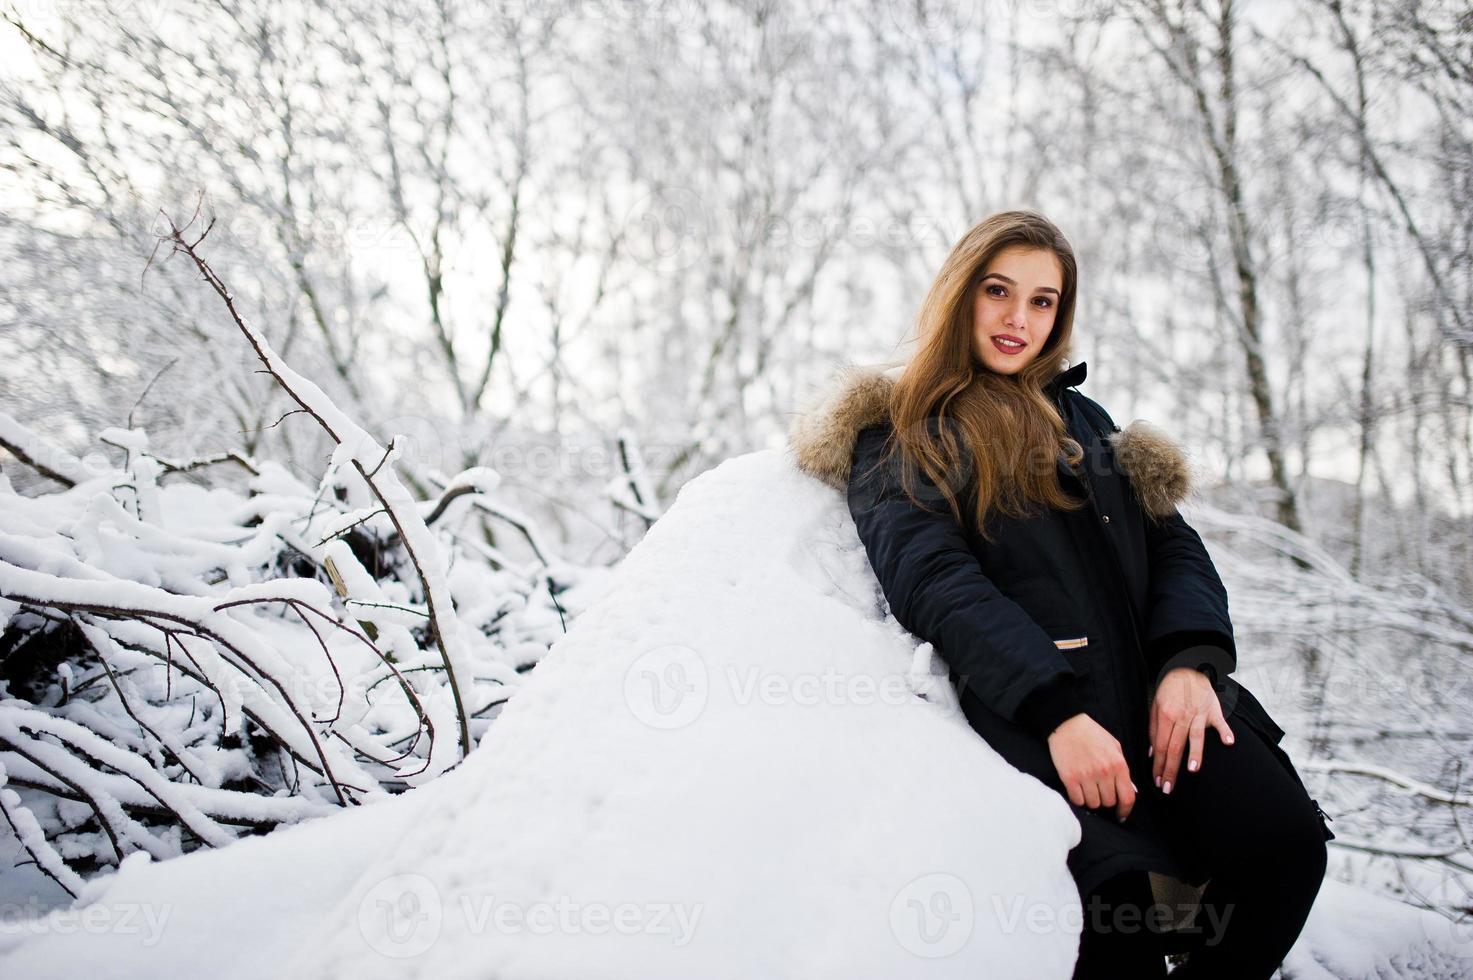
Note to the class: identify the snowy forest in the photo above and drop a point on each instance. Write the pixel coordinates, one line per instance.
(367, 364)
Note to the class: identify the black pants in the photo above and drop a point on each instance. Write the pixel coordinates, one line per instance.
(1256, 829)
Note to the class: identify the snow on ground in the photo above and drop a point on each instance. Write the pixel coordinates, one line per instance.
(723, 770)
(1352, 933)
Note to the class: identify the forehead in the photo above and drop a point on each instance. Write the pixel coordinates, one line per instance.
(1020, 263)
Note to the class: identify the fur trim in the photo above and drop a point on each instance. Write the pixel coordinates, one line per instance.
(823, 437)
(1157, 466)
(822, 440)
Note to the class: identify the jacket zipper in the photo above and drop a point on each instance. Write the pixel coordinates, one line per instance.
(1124, 596)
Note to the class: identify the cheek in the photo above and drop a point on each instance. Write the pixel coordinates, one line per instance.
(986, 313)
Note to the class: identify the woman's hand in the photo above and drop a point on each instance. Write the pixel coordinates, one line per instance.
(1091, 765)
(1184, 705)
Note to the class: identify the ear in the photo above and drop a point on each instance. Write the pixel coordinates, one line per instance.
(1156, 466)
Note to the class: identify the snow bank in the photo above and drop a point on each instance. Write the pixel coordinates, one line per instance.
(723, 770)
(1353, 933)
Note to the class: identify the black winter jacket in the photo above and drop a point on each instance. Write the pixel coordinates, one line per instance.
(1060, 612)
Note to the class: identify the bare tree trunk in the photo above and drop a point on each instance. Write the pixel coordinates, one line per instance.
(1366, 417)
(1180, 50)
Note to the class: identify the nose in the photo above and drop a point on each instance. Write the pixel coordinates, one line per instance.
(1017, 313)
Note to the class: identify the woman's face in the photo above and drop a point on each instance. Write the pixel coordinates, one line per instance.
(1016, 298)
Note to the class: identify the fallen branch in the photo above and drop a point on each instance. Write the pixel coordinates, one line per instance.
(391, 493)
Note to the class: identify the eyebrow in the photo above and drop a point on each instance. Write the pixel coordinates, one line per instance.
(999, 275)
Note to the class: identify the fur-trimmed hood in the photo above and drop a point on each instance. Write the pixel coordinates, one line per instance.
(822, 437)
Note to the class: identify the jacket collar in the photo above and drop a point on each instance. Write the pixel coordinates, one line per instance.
(822, 436)
(1067, 378)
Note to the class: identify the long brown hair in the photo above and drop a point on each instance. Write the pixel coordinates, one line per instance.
(968, 427)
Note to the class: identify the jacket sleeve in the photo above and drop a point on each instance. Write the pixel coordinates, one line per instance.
(937, 590)
(1187, 621)
(1187, 604)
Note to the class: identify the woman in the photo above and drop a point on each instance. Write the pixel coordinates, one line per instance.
(1038, 547)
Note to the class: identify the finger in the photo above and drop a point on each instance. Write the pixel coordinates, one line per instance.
(1161, 754)
(1158, 758)
(1174, 748)
(1125, 790)
(1223, 730)
(1198, 735)
(1076, 795)
(1157, 751)
(1091, 794)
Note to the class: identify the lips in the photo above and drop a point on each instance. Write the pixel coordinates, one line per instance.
(997, 341)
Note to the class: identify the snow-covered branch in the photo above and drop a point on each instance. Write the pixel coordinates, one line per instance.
(183, 662)
(375, 465)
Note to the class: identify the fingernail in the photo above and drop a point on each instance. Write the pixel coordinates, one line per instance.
(1228, 740)
(1167, 787)
(1150, 752)
(1192, 765)
(1158, 782)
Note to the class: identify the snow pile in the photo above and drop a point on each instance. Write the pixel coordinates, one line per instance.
(723, 770)
(733, 766)
(1352, 933)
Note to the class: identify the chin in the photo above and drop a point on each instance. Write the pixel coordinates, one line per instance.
(1011, 366)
